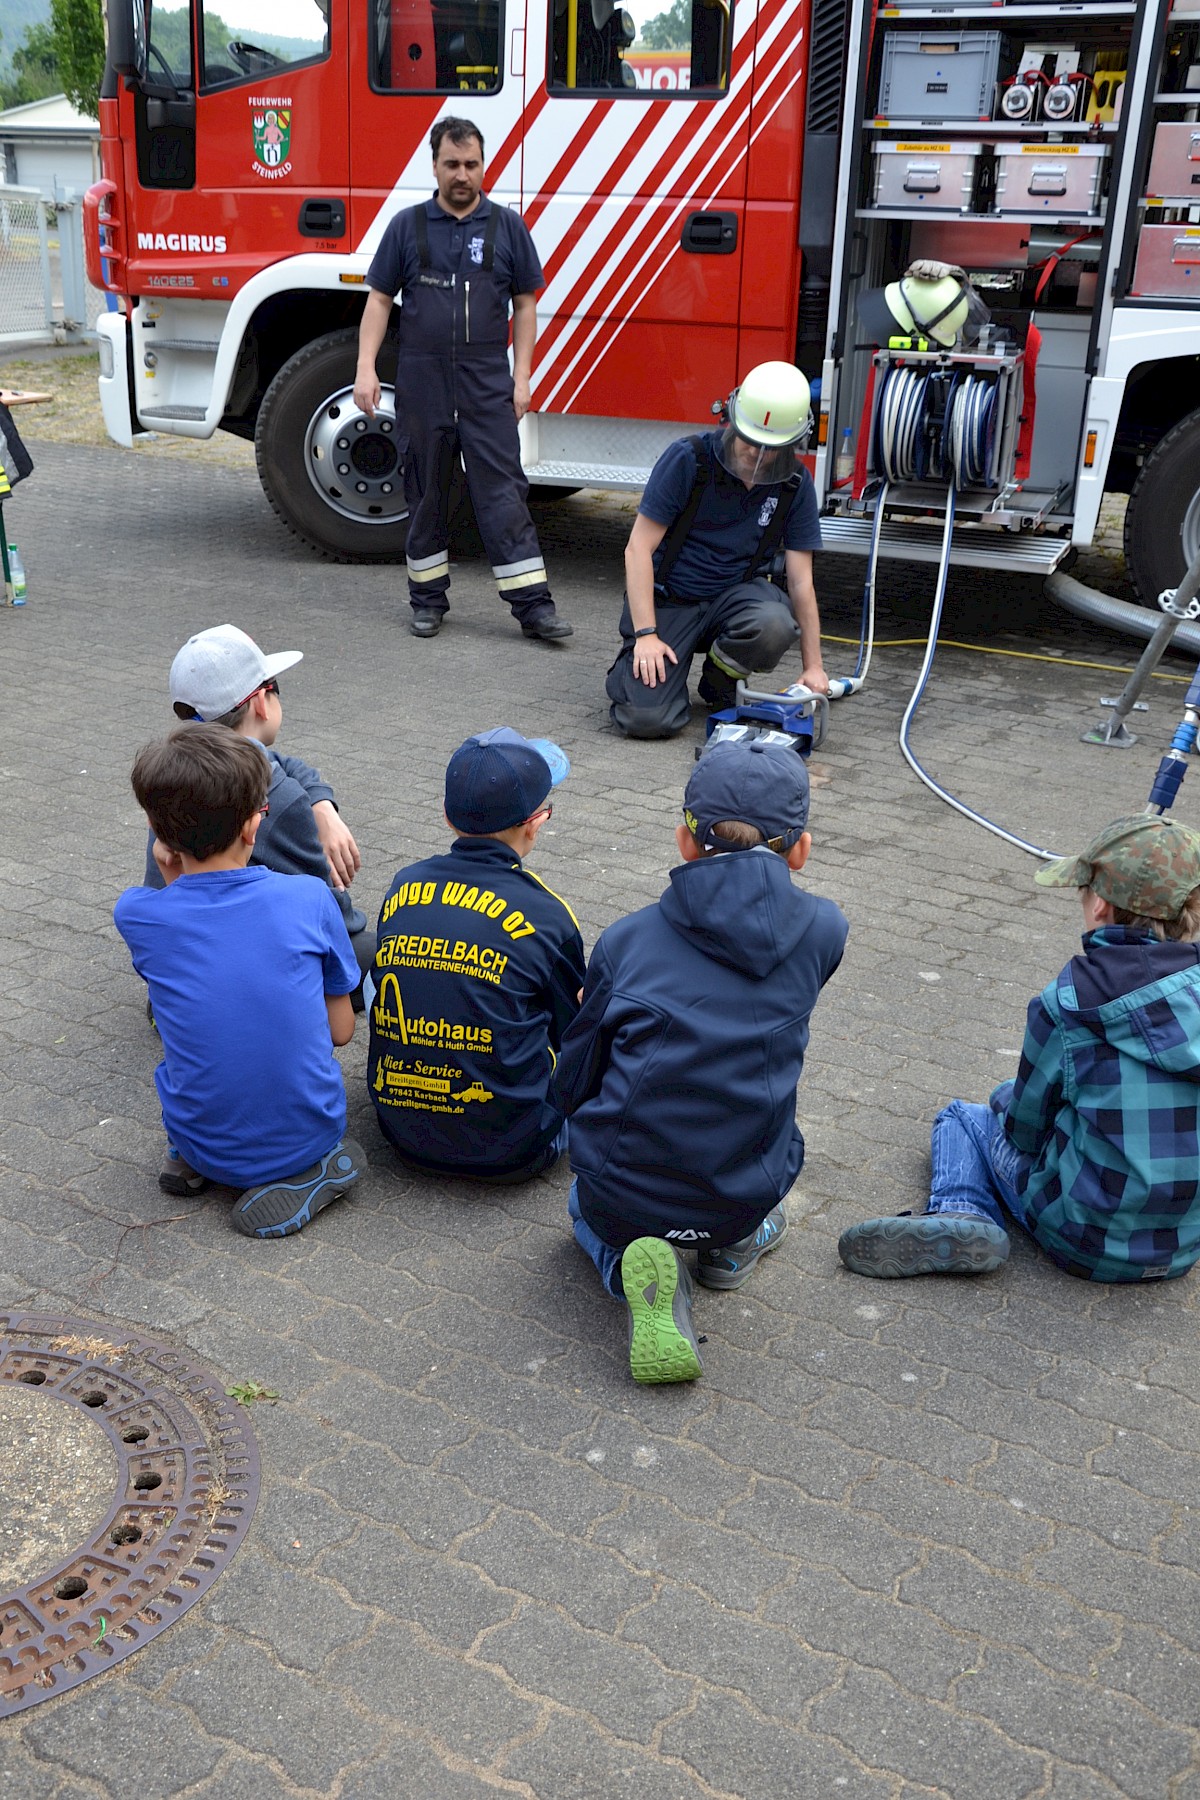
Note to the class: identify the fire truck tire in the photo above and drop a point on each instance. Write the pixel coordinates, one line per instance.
(301, 417)
(1162, 519)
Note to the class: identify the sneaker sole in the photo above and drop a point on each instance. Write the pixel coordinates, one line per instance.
(938, 1244)
(728, 1279)
(182, 1187)
(288, 1206)
(658, 1350)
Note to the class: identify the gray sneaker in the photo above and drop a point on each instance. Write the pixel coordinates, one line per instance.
(930, 1244)
(658, 1292)
(732, 1264)
(284, 1207)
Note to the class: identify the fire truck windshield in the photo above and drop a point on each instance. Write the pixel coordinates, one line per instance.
(254, 37)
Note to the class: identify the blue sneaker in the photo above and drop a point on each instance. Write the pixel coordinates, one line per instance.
(658, 1292)
(731, 1265)
(930, 1244)
(287, 1206)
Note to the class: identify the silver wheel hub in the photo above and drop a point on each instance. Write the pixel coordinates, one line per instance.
(1189, 531)
(355, 462)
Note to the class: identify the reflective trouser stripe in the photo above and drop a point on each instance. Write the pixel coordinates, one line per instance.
(428, 568)
(728, 668)
(533, 575)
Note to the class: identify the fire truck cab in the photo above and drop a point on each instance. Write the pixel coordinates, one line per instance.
(697, 209)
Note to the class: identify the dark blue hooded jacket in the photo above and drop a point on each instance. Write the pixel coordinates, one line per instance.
(679, 1074)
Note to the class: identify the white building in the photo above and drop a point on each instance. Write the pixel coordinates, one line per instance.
(48, 145)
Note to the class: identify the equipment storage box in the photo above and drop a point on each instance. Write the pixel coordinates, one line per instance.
(1168, 261)
(1175, 164)
(934, 177)
(1057, 179)
(937, 76)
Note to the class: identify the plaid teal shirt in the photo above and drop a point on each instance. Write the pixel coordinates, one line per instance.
(1107, 1105)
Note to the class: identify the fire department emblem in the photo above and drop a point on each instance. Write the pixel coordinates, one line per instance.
(272, 136)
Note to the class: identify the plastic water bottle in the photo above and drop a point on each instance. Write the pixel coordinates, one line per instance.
(16, 569)
(845, 462)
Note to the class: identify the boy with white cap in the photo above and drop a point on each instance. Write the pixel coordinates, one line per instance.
(222, 677)
(477, 976)
(1093, 1148)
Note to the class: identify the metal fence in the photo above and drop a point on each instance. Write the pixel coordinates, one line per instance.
(45, 296)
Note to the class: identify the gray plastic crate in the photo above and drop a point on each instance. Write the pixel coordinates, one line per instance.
(938, 75)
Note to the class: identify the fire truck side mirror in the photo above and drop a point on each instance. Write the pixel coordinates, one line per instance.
(127, 38)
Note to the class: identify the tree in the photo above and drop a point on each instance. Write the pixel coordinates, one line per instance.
(77, 28)
(35, 69)
(670, 30)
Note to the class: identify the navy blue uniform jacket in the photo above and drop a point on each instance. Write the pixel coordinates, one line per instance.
(679, 1074)
(477, 975)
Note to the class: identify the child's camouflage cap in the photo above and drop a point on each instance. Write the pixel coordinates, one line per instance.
(1147, 865)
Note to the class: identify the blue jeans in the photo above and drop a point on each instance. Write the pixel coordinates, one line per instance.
(606, 1259)
(975, 1167)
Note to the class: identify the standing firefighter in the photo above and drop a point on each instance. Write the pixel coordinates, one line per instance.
(456, 261)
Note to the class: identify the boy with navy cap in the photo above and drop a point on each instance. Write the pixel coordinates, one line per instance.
(679, 1074)
(1092, 1149)
(477, 976)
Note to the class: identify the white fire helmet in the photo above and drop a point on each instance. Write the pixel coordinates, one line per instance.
(931, 300)
(768, 422)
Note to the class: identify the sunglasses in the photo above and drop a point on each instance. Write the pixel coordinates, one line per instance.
(264, 687)
(543, 812)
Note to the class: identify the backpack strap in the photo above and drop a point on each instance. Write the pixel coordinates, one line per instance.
(489, 239)
(421, 232)
(773, 530)
(675, 538)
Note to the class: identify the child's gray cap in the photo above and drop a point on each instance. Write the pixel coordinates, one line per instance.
(220, 668)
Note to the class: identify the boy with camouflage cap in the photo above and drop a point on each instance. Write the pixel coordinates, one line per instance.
(1093, 1148)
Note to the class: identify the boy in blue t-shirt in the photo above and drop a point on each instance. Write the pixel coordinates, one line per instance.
(250, 974)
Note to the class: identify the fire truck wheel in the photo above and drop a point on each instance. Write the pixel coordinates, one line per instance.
(1162, 520)
(335, 477)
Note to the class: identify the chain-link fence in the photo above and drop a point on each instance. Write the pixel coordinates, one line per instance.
(45, 295)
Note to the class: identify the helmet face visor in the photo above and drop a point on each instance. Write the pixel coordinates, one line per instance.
(755, 464)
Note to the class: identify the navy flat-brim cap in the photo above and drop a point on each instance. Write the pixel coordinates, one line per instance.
(498, 779)
(762, 785)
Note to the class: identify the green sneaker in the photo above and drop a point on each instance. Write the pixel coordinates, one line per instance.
(658, 1291)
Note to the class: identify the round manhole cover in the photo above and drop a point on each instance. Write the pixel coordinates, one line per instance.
(127, 1481)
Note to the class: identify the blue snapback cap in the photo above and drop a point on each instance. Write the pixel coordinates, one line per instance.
(759, 784)
(498, 778)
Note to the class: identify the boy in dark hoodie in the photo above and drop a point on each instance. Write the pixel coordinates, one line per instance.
(679, 1074)
(1093, 1149)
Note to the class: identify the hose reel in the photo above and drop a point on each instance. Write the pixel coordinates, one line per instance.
(946, 420)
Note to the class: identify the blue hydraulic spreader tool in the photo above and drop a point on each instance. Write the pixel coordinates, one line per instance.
(1173, 767)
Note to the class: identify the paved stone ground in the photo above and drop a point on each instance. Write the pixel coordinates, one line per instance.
(921, 1538)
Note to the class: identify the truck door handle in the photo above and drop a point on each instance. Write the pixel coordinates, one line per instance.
(323, 218)
(710, 233)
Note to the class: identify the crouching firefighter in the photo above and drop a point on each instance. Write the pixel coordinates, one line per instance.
(716, 510)
(457, 261)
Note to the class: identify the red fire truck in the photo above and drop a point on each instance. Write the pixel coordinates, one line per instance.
(696, 212)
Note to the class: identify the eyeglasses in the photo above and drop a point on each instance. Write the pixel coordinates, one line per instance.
(265, 808)
(543, 812)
